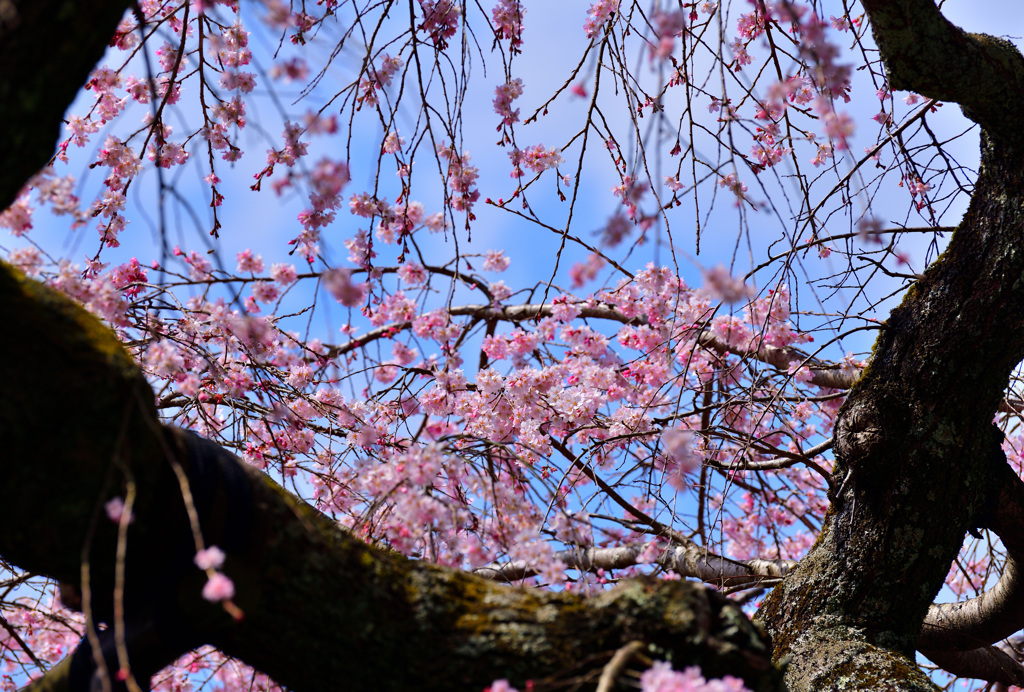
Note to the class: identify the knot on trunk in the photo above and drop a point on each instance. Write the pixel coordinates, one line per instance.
(859, 432)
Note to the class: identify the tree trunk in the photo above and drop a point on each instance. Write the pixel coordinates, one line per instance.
(918, 460)
(47, 50)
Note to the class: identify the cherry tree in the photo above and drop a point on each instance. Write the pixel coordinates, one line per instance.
(422, 345)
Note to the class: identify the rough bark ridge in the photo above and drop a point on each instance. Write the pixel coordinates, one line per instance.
(916, 431)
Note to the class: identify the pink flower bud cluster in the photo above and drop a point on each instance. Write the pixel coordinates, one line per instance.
(536, 158)
(440, 20)
(598, 14)
(507, 18)
(377, 79)
(461, 179)
(504, 95)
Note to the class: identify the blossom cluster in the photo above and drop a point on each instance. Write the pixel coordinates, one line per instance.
(600, 12)
(507, 17)
(504, 95)
(440, 20)
(461, 179)
(662, 678)
(536, 158)
(378, 79)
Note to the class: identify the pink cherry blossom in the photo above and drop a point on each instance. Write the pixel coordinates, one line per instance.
(720, 283)
(536, 158)
(115, 509)
(504, 95)
(448, 415)
(461, 179)
(210, 558)
(218, 587)
(339, 284)
(283, 274)
(507, 17)
(598, 14)
(249, 263)
(440, 20)
(495, 261)
(265, 292)
(660, 677)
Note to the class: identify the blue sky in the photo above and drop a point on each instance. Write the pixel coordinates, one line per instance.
(554, 40)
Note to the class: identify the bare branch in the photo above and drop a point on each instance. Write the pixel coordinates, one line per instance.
(685, 560)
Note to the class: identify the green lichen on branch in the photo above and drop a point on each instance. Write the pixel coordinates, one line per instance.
(76, 407)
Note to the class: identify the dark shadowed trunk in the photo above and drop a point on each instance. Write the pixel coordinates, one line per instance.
(47, 50)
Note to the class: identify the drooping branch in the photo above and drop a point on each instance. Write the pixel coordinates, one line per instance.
(1000, 664)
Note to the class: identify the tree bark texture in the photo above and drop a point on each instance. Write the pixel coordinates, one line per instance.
(47, 50)
(321, 608)
(918, 460)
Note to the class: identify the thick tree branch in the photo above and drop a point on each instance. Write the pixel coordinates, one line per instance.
(823, 374)
(985, 663)
(47, 50)
(923, 52)
(999, 612)
(956, 636)
(319, 605)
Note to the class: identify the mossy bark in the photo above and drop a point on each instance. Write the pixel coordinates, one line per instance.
(917, 455)
(323, 610)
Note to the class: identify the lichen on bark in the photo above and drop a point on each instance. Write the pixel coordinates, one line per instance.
(916, 430)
